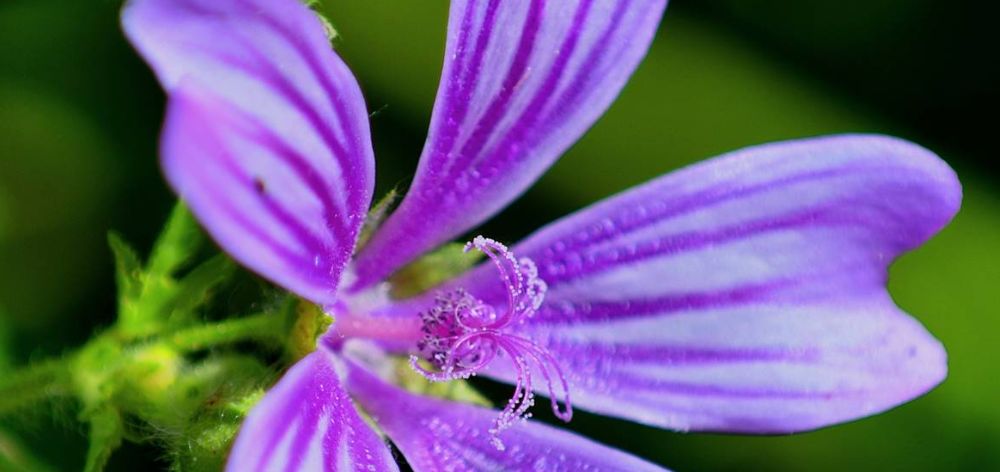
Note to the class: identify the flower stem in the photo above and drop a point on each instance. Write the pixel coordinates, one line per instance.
(34, 383)
(51, 378)
(267, 327)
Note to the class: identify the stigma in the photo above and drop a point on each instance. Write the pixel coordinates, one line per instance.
(462, 335)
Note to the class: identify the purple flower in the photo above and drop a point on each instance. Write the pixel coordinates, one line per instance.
(743, 294)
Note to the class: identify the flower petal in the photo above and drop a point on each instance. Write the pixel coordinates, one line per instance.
(307, 422)
(267, 134)
(440, 435)
(746, 293)
(522, 81)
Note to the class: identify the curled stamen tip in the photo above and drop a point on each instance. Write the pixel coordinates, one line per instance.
(564, 414)
(463, 335)
(480, 242)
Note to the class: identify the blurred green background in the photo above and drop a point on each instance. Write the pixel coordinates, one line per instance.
(79, 117)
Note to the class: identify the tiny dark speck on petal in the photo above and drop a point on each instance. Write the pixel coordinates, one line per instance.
(258, 185)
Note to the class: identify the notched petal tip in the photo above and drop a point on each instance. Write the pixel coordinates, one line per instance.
(746, 293)
(940, 187)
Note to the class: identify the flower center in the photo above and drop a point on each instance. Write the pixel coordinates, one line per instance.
(462, 335)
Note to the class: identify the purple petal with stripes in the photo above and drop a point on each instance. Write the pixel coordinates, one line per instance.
(267, 135)
(437, 435)
(522, 81)
(308, 423)
(746, 293)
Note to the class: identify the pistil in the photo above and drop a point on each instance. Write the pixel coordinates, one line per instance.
(403, 330)
(462, 335)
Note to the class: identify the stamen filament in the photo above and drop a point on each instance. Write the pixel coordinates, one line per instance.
(462, 335)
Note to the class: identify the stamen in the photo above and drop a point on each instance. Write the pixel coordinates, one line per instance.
(462, 335)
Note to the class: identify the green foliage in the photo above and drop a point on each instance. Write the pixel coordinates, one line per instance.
(174, 375)
(106, 430)
(152, 297)
(177, 245)
(42, 382)
(217, 395)
(163, 373)
(14, 456)
(128, 276)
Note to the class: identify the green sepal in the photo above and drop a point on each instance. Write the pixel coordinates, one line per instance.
(148, 377)
(309, 323)
(218, 395)
(128, 276)
(151, 297)
(196, 287)
(34, 384)
(106, 432)
(161, 366)
(94, 371)
(432, 269)
(177, 244)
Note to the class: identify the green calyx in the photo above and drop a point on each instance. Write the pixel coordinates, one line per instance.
(172, 370)
(309, 324)
(164, 371)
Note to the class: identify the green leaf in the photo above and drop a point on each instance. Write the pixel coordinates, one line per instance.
(152, 298)
(106, 430)
(431, 270)
(33, 384)
(128, 275)
(178, 243)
